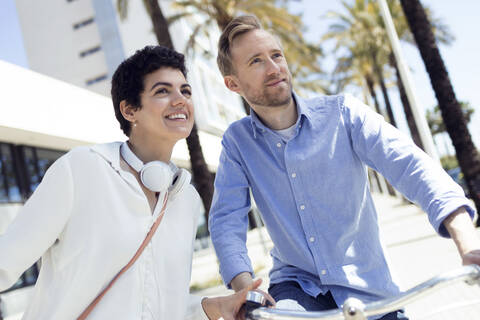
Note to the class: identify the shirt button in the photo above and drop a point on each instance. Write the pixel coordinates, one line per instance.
(324, 272)
(312, 239)
(302, 207)
(294, 175)
(279, 145)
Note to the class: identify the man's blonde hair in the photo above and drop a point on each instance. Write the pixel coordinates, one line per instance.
(236, 27)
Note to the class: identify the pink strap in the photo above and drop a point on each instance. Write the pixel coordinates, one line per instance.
(145, 242)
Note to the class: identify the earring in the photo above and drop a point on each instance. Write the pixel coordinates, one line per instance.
(135, 123)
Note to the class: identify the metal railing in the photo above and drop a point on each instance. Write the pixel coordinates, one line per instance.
(354, 309)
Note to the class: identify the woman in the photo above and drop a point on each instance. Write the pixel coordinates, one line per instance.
(96, 205)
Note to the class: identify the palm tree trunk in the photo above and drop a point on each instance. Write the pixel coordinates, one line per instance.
(406, 105)
(386, 98)
(160, 24)
(202, 177)
(222, 17)
(374, 174)
(373, 94)
(455, 123)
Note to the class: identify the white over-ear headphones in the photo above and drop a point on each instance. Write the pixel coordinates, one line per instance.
(157, 176)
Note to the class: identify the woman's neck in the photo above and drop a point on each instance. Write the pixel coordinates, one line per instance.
(150, 149)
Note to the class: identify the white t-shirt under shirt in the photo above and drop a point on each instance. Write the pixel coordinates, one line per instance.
(288, 133)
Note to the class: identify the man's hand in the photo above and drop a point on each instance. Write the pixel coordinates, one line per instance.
(463, 233)
(228, 307)
(243, 280)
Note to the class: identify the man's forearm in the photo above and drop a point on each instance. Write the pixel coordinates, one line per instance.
(241, 280)
(461, 229)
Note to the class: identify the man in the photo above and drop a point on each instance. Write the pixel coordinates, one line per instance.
(305, 164)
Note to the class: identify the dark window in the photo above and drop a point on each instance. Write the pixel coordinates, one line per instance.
(90, 51)
(9, 179)
(21, 170)
(37, 161)
(83, 23)
(97, 79)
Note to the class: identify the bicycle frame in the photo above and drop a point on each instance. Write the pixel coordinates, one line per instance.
(354, 309)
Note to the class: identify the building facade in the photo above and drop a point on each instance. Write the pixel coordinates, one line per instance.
(83, 41)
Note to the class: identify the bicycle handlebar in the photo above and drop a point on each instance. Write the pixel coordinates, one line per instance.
(354, 309)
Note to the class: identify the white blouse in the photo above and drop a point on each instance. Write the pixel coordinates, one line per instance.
(86, 220)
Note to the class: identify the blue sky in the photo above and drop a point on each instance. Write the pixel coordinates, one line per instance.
(461, 58)
(11, 43)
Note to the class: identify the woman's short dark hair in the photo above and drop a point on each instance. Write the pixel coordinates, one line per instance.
(127, 81)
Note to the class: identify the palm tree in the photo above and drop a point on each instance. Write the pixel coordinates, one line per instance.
(455, 123)
(363, 26)
(202, 177)
(359, 32)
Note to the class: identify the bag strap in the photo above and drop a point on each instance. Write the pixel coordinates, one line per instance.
(145, 242)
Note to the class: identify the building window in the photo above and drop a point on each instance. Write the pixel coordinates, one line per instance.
(21, 170)
(9, 179)
(37, 161)
(97, 79)
(83, 23)
(90, 51)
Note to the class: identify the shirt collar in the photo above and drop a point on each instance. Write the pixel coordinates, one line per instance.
(111, 153)
(302, 110)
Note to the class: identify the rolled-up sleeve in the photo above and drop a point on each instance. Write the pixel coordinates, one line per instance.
(228, 219)
(38, 224)
(390, 152)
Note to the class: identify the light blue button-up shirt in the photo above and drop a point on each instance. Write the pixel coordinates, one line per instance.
(313, 194)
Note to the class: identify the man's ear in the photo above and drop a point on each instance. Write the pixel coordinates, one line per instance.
(128, 112)
(232, 84)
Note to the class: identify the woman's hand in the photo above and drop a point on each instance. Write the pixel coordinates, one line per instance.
(228, 307)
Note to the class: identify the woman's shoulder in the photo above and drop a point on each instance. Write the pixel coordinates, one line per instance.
(108, 151)
(90, 156)
(191, 197)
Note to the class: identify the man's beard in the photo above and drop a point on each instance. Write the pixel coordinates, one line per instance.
(270, 99)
